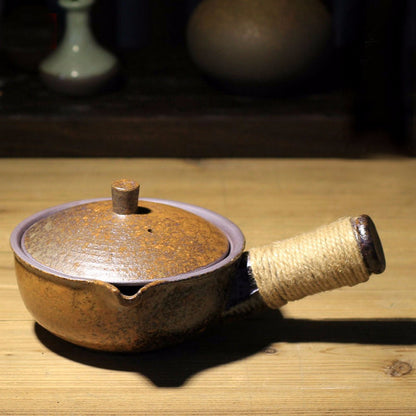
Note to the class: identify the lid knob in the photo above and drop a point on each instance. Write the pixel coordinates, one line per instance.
(125, 196)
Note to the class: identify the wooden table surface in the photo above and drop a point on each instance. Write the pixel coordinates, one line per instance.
(345, 352)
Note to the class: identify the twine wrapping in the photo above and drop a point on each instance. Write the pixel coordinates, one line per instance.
(314, 262)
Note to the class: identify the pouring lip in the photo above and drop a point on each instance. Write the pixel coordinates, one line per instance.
(233, 233)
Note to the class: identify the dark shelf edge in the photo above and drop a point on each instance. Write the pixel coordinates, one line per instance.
(187, 137)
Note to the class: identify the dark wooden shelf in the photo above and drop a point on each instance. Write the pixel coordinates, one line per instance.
(166, 109)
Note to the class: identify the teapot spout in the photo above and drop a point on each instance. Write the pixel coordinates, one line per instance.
(128, 292)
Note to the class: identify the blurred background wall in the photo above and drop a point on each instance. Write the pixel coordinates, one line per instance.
(359, 104)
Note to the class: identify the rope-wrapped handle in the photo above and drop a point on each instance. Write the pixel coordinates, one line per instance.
(343, 253)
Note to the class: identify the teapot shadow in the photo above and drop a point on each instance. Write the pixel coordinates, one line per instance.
(234, 340)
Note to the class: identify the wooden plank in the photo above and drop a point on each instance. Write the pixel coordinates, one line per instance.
(168, 110)
(350, 351)
(186, 136)
(190, 136)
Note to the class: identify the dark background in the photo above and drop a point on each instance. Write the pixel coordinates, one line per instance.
(360, 105)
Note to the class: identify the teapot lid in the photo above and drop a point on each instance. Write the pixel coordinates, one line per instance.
(123, 241)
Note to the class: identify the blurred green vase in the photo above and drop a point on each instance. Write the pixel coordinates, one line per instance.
(79, 65)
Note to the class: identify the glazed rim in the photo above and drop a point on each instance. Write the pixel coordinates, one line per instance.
(234, 236)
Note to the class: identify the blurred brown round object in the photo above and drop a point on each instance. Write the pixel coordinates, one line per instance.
(255, 43)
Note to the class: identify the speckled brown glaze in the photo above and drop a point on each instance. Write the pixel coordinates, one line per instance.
(97, 315)
(134, 314)
(125, 196)
(91, 241)
(142, 280)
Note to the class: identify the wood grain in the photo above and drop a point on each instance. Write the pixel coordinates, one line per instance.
(346, 352)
